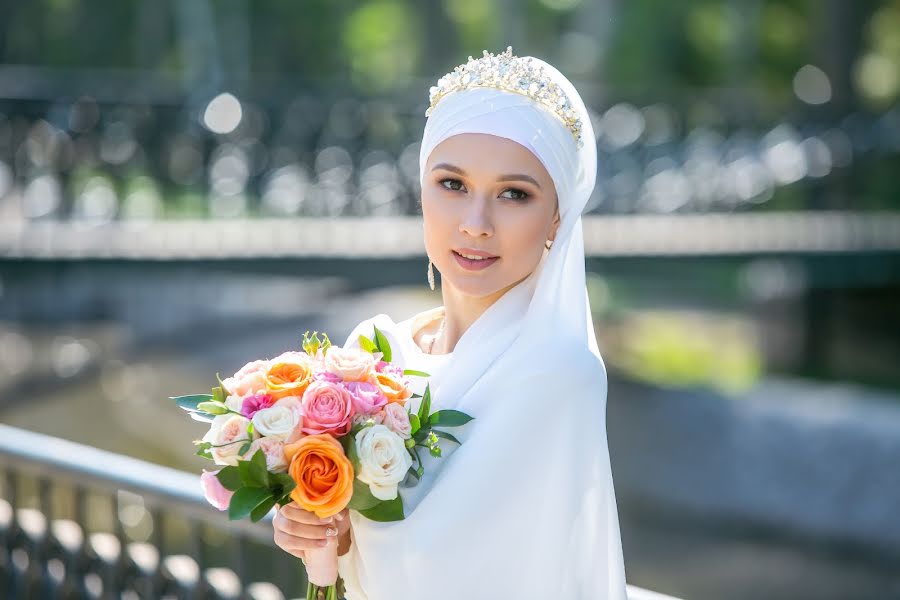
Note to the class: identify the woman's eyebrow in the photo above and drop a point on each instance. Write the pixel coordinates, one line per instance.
(511, 177)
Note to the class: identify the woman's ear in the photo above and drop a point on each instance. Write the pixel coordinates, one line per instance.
(555, 225)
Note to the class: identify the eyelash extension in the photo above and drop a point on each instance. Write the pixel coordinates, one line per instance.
(523, 195)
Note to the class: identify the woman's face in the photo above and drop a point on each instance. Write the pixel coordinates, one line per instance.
(486, 193)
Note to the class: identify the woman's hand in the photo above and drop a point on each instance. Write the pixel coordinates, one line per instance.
(298, 530)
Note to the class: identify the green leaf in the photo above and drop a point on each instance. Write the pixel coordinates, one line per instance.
(191, 401)
(362, 498)
(367, 344)
(415, 373)
(282, 482)
(245, 500)
(421, 435)
(414, 424)
(213, 408)
(203, 449)
(218, 394)
(230, 478)
(383, 345)
(449, 418)
(245, 448)
(420, 470)
(446, 436)
(425, 406)
(253, 472)
(222, 385)
(386, 510)
(262, 509)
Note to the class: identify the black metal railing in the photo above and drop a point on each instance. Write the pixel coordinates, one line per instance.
(80, 522)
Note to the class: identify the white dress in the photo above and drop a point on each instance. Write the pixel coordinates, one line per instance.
(405, 352)
(525, 507)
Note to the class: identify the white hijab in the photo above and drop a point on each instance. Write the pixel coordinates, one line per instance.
(525, 507)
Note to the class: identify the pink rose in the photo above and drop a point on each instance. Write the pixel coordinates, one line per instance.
(214, 491)
(255, 403)
(396, 419)
(391, 369)
(249, 380)
(273, 449)
(327, 376)
(327, 408)
(367, 397)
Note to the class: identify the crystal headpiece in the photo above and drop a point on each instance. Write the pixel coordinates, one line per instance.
(513, 74)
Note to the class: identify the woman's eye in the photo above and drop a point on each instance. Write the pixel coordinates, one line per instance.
(456, 185)
(453, 184)
(517, 194)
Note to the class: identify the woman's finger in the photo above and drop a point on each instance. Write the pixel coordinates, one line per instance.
(289, 542)
(295, 513)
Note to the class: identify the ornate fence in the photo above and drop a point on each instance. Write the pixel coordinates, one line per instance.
(80, 522)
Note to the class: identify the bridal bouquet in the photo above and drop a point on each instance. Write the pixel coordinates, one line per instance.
(326, 427)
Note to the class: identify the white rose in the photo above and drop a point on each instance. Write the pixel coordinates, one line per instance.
(383, 460)
(279, 421)
(234, 402)
(227, 434)
(350, 364)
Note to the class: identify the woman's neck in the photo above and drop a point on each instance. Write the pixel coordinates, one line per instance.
(460, 312)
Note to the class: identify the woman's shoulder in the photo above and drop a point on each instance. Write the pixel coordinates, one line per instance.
(570, 361)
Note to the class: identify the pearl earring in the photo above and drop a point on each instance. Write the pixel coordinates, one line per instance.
(430, 275)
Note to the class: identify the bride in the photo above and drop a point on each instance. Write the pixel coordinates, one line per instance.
(525, 506)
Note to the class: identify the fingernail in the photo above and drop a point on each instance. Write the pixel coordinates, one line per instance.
(331, 531)
(339, 517)
(323, 543)
(328, 520)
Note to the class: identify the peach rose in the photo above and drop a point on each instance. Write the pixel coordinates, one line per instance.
(323, 474)
(393, 384)
(251, 379)
(350, 364)
(395, 418)
(273, 449)
(289, 374)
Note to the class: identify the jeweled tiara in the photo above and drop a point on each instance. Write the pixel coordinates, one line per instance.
(514, 74)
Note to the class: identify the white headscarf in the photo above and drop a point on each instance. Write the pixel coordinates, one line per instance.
(525, 507)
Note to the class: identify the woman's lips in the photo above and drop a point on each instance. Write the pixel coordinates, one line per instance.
(474, 265)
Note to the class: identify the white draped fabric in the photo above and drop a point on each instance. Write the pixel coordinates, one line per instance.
(525, 507)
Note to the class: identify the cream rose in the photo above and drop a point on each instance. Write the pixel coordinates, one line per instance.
(351, 364)
(383, 460)
(273, 449)
(396, 419)
(227, 434)
(280, 421)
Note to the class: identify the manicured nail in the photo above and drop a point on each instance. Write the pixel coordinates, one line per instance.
(323, 542)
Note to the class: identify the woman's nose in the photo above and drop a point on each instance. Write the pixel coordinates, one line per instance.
(477, 219)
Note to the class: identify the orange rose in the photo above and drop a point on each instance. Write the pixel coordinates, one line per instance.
(395, 390)
(289, 375)
(323, 474)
